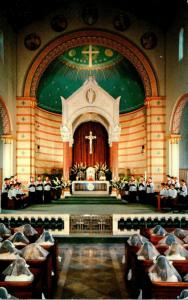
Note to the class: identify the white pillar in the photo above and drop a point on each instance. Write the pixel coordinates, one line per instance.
(7, 155)
(174, 154)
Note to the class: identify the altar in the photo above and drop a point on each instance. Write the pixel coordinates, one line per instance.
(96, 188)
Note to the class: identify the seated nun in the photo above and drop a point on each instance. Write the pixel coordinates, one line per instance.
(180, 233)
(18, 271)
(136, 240)
(169, 239)
(4, 294)
(26, 229)
(183, 294)
(163, 270)
(4, 231)
(8, 250)
(147, 251)
(176, 252)
(158, 230)
(34, 251)
(45, 238)
(18, 238)
(185, 278)
(186, 239)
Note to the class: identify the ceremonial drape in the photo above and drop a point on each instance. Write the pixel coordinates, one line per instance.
(100, 146)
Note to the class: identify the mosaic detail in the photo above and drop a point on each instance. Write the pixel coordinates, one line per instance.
(5, 118)
(120, 47)
(177, 114)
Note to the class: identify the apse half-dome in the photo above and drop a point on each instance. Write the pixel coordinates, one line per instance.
(113, 72)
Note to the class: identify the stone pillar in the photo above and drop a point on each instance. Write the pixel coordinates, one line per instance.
(26, 147)
(67, 150)
(174, 154)
(7, 155)
(114, 159)
(155, 139)
(66, 160)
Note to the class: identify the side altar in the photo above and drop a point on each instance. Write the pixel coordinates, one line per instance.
(96, 188)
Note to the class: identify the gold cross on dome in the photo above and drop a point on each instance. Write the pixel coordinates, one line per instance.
(90, 52)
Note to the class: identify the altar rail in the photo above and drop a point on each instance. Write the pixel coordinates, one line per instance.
(122, 224)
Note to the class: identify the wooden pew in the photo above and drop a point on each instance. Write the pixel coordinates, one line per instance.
(53, 250)
(23, 289)
(164, 290)
(41, 268)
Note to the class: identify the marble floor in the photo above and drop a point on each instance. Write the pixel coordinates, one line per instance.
(134, 208)
(91, 271)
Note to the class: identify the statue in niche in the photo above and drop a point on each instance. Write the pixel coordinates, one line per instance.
(90, 96)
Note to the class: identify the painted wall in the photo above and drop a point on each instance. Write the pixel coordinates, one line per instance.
(131, 156)
(176, 71)
(75, 22)
(8, 77)
(184, 140)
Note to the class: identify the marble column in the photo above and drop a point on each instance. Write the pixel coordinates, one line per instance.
(114, 159)
(7, 155)
(66, 160)
(67, 150)
(174, 154)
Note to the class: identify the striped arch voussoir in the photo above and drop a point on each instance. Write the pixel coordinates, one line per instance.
(5, 118)
(177, 114)
(74, 39)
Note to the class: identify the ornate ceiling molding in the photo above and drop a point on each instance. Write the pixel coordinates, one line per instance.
(93, 37)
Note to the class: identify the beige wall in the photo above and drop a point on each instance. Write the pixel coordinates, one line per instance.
(8, 76)
(176, 72)
(134, 33)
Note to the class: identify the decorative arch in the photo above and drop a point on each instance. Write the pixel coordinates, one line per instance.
(94, 37)
(4, 115)
(83, 118)
(177, 114)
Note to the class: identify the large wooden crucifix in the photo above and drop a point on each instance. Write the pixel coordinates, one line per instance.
(90, 52)
(90, 137)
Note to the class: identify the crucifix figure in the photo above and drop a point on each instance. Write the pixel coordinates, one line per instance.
(90, 137)
(90, 52)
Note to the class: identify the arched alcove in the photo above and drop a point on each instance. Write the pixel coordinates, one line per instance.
(99, 146)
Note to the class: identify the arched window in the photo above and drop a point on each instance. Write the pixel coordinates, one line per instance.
(1, 47)
(181, 44)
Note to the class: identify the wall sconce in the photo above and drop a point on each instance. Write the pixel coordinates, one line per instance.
(143, 149)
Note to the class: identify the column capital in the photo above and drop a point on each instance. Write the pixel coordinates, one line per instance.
(174, 138)
(7, 138)
(147, 102)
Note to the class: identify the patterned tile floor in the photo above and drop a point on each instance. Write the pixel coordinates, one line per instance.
(91, 271)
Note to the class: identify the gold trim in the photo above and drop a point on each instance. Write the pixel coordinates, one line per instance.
(174, 138)
(7, 138)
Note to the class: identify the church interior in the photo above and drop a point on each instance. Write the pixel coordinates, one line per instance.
(94, 149)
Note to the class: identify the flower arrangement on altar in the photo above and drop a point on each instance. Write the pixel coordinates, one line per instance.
(60, 183)
(79, 170)
(119, 183)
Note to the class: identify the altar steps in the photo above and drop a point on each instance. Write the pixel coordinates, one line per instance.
(88, 200)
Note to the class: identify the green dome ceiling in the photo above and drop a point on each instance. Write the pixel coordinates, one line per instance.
(112, 71)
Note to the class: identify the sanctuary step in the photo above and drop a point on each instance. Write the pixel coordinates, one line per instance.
(87, 200)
